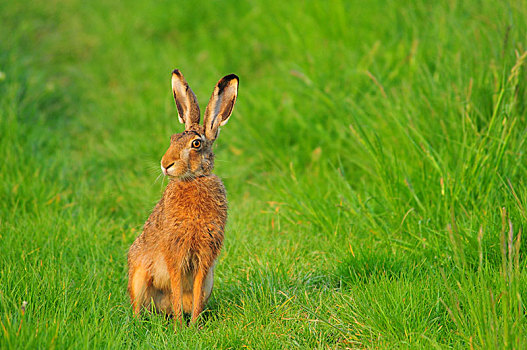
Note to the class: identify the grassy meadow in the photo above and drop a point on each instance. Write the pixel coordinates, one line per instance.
(375, 167)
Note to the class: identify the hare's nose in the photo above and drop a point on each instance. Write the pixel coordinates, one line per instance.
(165, 170)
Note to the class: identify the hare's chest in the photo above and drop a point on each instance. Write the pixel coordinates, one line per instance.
(198, 209)
(201, 195)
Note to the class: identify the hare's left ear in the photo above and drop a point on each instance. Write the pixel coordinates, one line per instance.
(220, 105)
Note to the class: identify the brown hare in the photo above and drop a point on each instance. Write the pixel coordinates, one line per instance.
(171, 264)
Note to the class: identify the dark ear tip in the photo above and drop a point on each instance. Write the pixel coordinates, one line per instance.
(176, 72)
(231, 77)
(226, 80)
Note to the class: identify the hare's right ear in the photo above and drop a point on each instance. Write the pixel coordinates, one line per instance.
(186, 102)
(220, 105)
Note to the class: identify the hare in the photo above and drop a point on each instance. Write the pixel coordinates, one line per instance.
(171, 263)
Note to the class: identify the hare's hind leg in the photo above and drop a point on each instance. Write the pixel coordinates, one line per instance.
(137, 288)
(162, 300)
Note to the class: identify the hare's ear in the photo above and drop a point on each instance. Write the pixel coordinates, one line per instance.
(186, 102)
(220, 105)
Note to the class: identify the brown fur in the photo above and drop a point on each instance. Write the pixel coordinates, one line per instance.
(171, 264)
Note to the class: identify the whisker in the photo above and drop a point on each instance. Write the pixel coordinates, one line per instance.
(157, 178)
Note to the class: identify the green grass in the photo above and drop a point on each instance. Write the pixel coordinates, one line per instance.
(375, 168)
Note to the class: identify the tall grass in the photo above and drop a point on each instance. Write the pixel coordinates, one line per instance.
(374, 166)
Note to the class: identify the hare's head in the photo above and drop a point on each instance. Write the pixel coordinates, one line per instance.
(190, 152)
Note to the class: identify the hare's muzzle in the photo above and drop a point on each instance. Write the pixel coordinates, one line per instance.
(165, 169)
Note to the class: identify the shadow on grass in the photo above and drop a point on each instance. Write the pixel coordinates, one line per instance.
(367, 267)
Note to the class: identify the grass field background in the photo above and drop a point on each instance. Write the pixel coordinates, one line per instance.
(375, 168)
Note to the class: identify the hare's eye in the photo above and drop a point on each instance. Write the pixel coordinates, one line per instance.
(196, 143)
